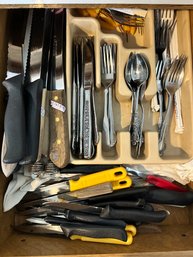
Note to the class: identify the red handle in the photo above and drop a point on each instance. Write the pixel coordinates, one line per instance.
(163, 183)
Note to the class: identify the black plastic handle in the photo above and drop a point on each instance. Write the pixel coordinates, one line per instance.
(33, 98)
(90, 230)
(14, 121)
(134, 215)
(124, 194)
(123, 204)
(162, 196)
(94, 219)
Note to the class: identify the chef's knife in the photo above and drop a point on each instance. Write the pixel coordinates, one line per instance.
(59, 138)
(14, 123)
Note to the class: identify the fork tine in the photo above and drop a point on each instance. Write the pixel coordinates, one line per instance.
(172, 69)
(175, 69)
(107, 58)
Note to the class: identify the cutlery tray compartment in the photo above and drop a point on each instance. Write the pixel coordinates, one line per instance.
(179, 146)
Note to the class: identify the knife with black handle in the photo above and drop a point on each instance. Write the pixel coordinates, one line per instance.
(90, 230)
(124, 194)
(86, 218)
(134, 215)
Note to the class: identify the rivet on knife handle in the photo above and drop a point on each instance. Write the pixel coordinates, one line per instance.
(98, 178)
(59, 142)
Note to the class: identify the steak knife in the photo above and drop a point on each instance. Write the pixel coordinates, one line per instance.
(59, 137)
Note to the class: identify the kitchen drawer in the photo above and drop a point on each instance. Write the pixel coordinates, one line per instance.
(174, 237)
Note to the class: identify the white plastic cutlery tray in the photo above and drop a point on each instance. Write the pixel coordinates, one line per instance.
(179, 147)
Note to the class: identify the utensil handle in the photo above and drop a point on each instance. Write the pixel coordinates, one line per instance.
(90, 230)
(87, 126)
(165, 125)
(33, 97)
(164, 196)
(105, 240)
(75, 115)
(95, 126)
(14, 122)
(106, 125)
(98, 178)
(113, 138)
(59, 139)
(134, 215)
(94, 219)
(163, 183)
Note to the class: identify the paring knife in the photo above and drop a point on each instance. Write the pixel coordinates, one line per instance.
(128, 215)
(92, 233)
(54, 217)
(82, 229)
(84, 193)
(59, 138)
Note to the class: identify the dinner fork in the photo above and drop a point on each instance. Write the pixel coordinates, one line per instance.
(173, 82)
(108, 72)
(160, 67)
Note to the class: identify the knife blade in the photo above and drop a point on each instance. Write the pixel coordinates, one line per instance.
(14, 121)
(59, 138)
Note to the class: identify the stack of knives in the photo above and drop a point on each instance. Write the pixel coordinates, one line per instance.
(36, 125)
(105, 206)
(84, 121)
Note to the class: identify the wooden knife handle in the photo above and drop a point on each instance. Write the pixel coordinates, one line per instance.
(59, 138)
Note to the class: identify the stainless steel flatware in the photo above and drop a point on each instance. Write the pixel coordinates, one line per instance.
(136, 76)
(108, 76)
(84, 130)
(173, 81)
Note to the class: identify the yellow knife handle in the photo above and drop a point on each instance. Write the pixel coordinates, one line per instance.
(123, 183)
(132, 229)
(98, 178)
(59, 138)
(104, 240)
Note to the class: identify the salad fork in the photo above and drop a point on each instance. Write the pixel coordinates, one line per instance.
(108, 72)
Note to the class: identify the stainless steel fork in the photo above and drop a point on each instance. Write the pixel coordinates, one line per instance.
(173, 82)
(160, 66)
(108, 72)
